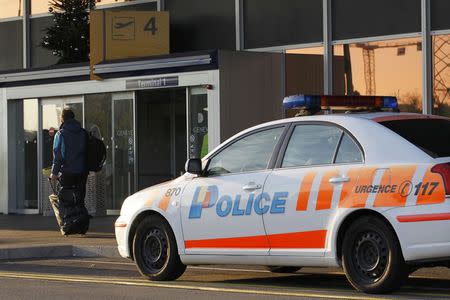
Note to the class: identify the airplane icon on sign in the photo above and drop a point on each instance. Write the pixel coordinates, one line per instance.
(122, 25)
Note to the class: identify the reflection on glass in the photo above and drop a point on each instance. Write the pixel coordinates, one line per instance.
(198, 123)
(304, 71)
(123, 153)
(441, 75)
(39, 6)
(161, 135)
(311, 50)
(388, 68)
(98, 120)
(11, 8)
(104, 2)
(25, 130)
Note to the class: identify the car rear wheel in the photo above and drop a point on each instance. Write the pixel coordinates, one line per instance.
(155, 250)
(282, 269)
(372, 257)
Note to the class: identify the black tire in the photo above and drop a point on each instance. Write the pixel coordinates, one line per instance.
(155, 250)
(372, 258)
(282, 269)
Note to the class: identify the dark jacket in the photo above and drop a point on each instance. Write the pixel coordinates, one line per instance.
(69, 149)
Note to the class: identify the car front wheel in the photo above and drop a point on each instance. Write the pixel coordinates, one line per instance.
(155, 250)
(372, 257)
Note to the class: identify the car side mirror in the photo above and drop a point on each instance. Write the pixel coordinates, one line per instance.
(194, 166)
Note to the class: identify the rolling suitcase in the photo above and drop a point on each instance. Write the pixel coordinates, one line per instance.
(71, 214)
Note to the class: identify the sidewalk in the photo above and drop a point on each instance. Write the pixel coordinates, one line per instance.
(35, 236)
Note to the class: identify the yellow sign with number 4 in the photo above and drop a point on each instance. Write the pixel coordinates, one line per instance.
(128, 34)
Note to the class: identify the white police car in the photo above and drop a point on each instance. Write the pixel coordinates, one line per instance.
(369, 192)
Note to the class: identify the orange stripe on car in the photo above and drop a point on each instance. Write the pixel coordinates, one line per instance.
(325, 195)
(258, 241)
(164, 203)
(395, 176)
(305, 240)
(431, 189)
(424, 217)
(305, 190)
(349, 198)
(151, 198)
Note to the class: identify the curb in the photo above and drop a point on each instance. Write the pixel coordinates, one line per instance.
(58, 251)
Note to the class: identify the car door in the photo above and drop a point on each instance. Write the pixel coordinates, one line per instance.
(222, 210)
(316, 167)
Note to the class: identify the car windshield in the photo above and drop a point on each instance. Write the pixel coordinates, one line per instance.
(430, 135)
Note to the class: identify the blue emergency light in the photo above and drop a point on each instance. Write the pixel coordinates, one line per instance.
(390, 102)
(314, 102)
(298, 101)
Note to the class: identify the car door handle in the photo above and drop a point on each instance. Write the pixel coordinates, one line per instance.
(251, 186)
(339, 179)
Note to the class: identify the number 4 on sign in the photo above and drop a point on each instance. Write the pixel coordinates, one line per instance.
(151, 25)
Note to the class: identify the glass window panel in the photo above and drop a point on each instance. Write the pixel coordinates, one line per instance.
(127, 5)
(439, 14)
(40, 57)
(388, 68)
(441, 75)
(358, 19)
(11, 8)
(123, 152)
(200, 25)
(250, 153)
(349, 151)
(98, 120)
(23, 129)
(430, 135)
(304, 71)
(104, 2)
(311, 145)
(273, 23)
(39, 6)
(198, 122)
(11, 52)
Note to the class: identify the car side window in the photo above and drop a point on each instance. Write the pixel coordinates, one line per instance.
(349, 151)
(250, 153)
(311, 145)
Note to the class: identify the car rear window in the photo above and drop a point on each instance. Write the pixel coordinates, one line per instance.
(430, 135)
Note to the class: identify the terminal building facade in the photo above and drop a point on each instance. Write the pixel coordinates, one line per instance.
(231, 62)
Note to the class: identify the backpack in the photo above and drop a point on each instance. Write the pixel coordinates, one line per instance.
(95, 152)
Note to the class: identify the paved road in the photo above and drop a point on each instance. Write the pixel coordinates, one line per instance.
(119, 279)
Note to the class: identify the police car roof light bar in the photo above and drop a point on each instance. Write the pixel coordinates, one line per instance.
(349, 102)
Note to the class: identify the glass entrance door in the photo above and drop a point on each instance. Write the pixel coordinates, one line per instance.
(161, 133)
(123, 147)
(198, 122)
(23, 157)
(50, 112)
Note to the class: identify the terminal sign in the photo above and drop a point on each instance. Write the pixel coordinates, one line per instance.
(152, 83)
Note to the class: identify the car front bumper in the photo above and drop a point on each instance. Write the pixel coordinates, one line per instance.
(121, 229)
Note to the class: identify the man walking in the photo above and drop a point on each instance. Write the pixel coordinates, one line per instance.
(69, 154)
